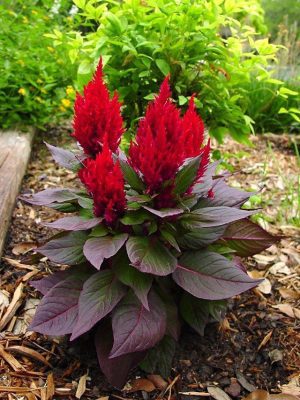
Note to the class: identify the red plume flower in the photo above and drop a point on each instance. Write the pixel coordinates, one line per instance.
(104, 181)
(164, 140)
(96, 115)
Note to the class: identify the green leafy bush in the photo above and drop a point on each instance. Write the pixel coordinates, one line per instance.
(209, 47)
(273, 107)
(276, 11)
(34, 75)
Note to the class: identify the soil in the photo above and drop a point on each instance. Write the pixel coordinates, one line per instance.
(255, 346)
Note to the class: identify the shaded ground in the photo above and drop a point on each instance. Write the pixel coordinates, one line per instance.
(257, 345)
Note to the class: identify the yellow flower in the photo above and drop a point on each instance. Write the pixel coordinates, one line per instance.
(25, 20)
(70, 91)
(66, 103)
(38, 99)
(21, 62)
(62, 109)
(43, 90)
(39, 81)
(22, 91)
(51, 49)
(34, 12)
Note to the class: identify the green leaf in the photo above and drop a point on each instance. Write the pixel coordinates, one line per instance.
(160, 358)
(136, 217)
(149, 255)
(85, 67)
(163, 66)
(64, 207)
(186, 175)
(182, 100)
(131, 176)
(195, 312)
(139, 282)
(99, 231)
(170, 239)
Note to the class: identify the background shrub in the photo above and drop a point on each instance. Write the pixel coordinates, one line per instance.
(34, 76)
(209, 47)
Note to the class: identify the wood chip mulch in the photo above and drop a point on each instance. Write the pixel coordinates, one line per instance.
(256, 346)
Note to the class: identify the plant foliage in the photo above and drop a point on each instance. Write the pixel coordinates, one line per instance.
(208, 47)
(155, 236)
(34, 80)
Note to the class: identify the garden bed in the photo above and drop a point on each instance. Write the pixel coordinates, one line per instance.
(257, 344)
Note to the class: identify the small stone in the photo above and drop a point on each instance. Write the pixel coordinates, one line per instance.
(234, 389)
(186, 363)
(275, 356)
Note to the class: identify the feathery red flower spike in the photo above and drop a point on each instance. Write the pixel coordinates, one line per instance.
(104, 181)
(164, 140)
(96, 115)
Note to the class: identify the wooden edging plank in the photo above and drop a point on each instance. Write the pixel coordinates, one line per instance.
(15, 148)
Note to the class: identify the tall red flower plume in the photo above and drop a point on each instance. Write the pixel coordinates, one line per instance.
(164, 140)
(104, 181)
(96, 115)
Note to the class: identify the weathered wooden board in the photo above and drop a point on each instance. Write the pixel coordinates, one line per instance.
(15, 150)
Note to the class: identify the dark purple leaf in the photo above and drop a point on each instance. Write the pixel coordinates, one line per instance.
(98, 248)
(45, 284)
(186, 175)
(247, 238)
(74, 223)
(49, 196)
(164, 212)
(238, 262)
(213, 216)
(138, 281)
(210, 276)
(100, 294)
(115, 369)
(135, 328)
(206, 181)
(150, 255)
(201, 238)
(225, 195)
(65, 250)
(65, 158)
(58, 310)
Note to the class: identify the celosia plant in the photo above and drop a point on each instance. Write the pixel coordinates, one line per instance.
(155, 240)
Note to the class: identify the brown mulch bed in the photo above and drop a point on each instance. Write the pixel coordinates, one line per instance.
(256, 346)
